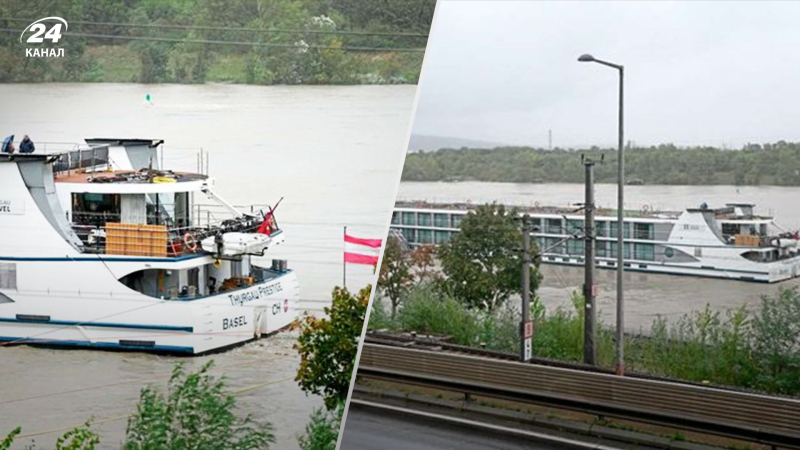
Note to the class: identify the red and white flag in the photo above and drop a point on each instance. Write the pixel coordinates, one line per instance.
(361, 251)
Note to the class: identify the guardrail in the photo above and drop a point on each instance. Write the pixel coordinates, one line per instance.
(758, 418)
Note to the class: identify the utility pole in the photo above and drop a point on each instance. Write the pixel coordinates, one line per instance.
(550, 139)
(620, 333)
(526, 327)
(589, 314)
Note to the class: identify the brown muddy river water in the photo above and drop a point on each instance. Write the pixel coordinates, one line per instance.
(333, 153)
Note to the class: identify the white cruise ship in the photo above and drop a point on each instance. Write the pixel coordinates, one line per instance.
(731, 242)
(102, 248)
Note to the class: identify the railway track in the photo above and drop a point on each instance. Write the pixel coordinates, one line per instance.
(731, 413)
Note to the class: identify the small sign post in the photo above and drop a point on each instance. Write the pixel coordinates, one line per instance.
(527, 341)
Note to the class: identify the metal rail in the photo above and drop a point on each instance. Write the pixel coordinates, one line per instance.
(758, 418)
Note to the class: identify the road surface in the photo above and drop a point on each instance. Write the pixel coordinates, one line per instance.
(369, 428)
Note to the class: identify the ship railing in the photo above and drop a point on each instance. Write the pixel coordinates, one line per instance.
(82, 159)
(153, 235)
(204, 215)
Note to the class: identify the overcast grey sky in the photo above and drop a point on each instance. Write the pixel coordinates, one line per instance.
(720, 73)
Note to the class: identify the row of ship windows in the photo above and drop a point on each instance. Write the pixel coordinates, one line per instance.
(604, 228)
(603, 249)
(427, 219)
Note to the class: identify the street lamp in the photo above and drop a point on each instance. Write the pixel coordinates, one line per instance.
(620, 357)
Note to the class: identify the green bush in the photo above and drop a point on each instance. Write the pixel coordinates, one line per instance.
(322, 430)
(80, 438)
(196, 413)
(5, 444)
(758, 350)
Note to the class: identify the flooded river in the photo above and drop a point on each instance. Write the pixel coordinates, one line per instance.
(332, 153)
(647, 295)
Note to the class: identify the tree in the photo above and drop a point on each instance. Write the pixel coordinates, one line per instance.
(422, 260)
(196, 413)
(328, 346)
(395, 276)
(482, 263)
(401, 269)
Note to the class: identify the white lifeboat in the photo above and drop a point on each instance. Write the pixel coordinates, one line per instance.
(236, 244)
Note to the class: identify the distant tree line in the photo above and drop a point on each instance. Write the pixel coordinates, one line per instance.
(754, 164)
(295, 58)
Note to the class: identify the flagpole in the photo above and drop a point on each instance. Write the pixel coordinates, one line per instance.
(344, 258)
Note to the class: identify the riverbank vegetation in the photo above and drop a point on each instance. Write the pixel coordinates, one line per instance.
(755, 349)
(754, 164)
(241, 41)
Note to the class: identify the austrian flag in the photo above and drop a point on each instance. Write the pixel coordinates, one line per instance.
(361, 251)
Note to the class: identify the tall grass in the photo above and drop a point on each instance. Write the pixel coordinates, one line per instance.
(757, 349)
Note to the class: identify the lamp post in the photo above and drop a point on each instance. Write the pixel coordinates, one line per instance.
(620, 356)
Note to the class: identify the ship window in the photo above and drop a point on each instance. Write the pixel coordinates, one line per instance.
(425, 236)
(410, 235)
(395, 218)
(626, 233)
(574, 226)
(730, 229)
(441, 220)
(645, 252)
(643, 231)
(613, 229)
(95, 209)
(424, 219)
(698, 252)
(601, 228)
(442, 237)
(613, 246)
(8, 275)
(409, 219)
(552, 226)
(575, 247)
(457, 220)
(170, 209)
(553, 245)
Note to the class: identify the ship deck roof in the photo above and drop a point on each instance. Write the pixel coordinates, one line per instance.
(561, 211)
(125, 176)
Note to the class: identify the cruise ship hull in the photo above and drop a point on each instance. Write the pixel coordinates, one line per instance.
(729, 243)
(192, 326)
(781, 271)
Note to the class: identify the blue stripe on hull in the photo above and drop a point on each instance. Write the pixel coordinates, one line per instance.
(99, 324)
(658, 272)
(99, 345)
(105, 258)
